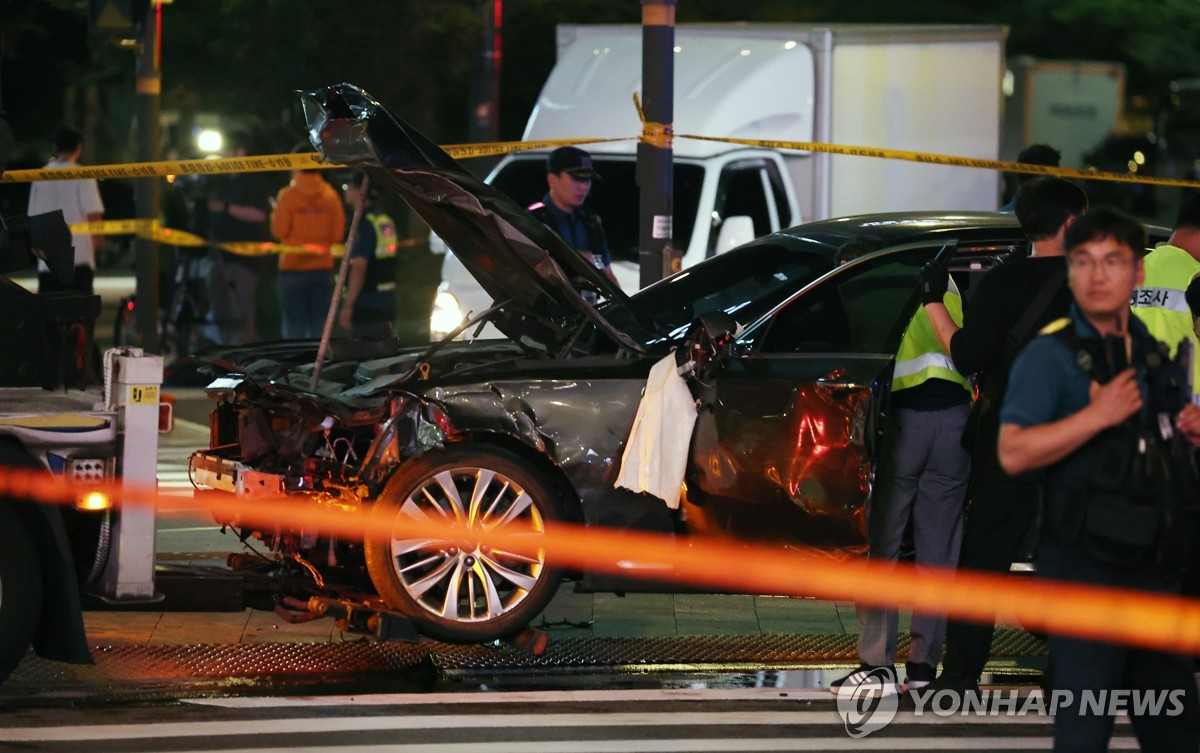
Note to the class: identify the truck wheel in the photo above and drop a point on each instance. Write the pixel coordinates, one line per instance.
(458, 590)
(20, 590)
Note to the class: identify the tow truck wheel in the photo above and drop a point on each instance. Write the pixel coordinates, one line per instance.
(456, 589)
(20, 590)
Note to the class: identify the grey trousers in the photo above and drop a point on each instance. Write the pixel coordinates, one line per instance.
(924, 475)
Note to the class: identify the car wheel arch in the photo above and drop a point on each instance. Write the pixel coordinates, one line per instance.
(545, 465)
(406, 588)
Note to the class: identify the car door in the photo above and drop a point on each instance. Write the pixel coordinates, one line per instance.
(788, 434)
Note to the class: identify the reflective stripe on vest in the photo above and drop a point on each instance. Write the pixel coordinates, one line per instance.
(1161, 304)
(921, 357)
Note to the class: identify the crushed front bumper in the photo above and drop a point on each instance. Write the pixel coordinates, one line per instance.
(215, 472)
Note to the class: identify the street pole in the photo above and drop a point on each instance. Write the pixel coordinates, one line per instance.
(149, 86)
(655, 172)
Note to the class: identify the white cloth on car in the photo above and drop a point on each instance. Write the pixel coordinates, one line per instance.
(656, 455)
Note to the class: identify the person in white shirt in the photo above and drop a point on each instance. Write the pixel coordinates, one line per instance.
(79, 201)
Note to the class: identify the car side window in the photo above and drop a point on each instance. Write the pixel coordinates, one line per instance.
(864, 308)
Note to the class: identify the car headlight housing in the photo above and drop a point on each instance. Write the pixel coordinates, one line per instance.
(447, 314)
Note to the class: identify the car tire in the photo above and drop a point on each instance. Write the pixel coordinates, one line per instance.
(456, 593)
(20, 590)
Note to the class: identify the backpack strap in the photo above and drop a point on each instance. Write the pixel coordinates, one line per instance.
(1036, 309)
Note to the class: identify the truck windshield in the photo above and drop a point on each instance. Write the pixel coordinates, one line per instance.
(615, 198)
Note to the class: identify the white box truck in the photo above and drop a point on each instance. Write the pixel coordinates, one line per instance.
(928, 88)
(1072, 105)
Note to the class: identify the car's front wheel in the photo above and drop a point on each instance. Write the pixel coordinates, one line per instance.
(457, 589)
(20, 590)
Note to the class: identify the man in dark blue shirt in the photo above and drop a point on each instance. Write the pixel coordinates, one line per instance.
(1081, 409)
(569, 176)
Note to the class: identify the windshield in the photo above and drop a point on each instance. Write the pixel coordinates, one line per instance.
(615, 198)
(745, 283)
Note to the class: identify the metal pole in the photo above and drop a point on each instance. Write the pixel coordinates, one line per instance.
(335, 300)
(149, 86)
(484, 123)
(655, 173)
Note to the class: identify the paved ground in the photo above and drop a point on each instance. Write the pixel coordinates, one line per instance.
(570, 618)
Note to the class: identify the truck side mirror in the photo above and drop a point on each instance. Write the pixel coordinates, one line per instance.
(734, 231)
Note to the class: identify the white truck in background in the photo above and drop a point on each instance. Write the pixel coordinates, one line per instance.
(1072, 105)
(928, 88)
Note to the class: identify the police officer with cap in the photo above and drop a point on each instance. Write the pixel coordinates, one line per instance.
(569, 176)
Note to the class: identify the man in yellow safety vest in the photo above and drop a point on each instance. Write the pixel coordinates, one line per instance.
(924, 477)
(1161, 301)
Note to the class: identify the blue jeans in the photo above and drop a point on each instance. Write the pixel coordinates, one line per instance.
(304, 302)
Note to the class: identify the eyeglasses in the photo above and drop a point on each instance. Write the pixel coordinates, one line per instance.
(1111, 264)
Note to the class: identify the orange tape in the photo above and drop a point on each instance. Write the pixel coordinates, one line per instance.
(1120, 616)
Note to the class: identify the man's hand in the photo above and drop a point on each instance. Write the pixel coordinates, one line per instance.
(1116, 401)
(346, 315)
(1188, 422)
(934, 280)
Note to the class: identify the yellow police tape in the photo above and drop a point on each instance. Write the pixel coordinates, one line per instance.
(1138, 618)
(150, 229)
(657, 134)
(931, 158)
(265, 163)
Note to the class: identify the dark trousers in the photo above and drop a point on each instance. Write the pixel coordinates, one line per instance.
(1091, 669)
(1001, 513)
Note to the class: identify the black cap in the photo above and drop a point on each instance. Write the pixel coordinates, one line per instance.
(573, 160)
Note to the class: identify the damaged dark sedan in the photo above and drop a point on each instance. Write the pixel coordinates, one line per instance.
(787, 344)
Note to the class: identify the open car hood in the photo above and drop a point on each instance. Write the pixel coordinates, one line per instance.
(525, 267)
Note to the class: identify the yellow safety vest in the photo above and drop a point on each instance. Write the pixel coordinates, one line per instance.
(385, 234)
(921, 356)
(1161, 305)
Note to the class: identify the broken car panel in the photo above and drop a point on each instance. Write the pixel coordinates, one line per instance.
(789, 356)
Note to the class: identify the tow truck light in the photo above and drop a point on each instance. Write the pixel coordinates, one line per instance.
(94, 501)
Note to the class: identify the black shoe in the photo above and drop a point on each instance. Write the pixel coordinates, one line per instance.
(918, 675)
(878, 679)
(959, 686)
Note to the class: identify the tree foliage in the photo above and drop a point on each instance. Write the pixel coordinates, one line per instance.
(246, 57)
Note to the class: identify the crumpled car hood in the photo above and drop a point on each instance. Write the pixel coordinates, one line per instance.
(529, 271)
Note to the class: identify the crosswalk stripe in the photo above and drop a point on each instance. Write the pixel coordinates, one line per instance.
(719, 745)
(529, 696)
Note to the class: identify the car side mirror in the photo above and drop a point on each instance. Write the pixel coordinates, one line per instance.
(709, 340)
(734, 231)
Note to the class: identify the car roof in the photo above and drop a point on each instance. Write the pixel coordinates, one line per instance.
(905, 227)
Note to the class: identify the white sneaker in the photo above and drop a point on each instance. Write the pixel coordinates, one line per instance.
(870, 679)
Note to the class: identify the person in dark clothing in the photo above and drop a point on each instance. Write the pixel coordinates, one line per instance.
(569, 176)
(1098, 410)
(237, 212)
(368, 308)
(1012, 303)
(1034, 154)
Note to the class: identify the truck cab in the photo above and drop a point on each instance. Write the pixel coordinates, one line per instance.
(933, 88)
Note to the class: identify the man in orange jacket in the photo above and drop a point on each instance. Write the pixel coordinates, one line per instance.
(308, 213)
